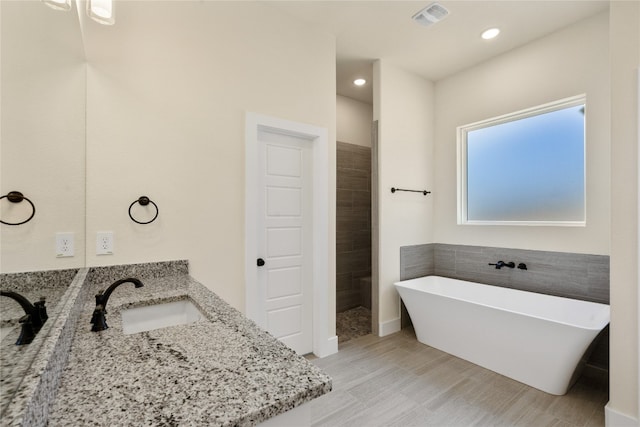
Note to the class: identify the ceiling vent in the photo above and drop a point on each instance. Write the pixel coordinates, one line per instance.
(431, 14)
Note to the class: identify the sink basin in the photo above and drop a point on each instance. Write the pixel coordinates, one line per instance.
(157, 316)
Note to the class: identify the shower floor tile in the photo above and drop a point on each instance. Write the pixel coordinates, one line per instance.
(353, 323)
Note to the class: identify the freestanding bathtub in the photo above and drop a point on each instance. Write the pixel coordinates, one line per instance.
(533, 338)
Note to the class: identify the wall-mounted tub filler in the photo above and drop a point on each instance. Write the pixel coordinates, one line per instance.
(537, 339)
(98, 320)
(34, 318)
(501, 264)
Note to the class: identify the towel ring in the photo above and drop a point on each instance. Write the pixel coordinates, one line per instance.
(144, 201)
(17, 197)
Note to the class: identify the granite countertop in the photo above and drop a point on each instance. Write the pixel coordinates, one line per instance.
(16, 360)
(222, 370)
(33, 286)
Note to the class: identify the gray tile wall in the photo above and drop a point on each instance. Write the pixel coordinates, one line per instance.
(416, 261)
(353, 226)
(578, 276)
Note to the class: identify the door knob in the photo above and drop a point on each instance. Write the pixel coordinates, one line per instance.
(260, 262)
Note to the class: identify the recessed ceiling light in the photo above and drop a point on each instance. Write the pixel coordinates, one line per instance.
(359, 82)
(490, 33)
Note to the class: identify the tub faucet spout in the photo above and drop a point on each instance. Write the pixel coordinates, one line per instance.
(501, 264)
(98, 320)
(35, 316)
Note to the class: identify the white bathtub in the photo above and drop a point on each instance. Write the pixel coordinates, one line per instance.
(533, 338)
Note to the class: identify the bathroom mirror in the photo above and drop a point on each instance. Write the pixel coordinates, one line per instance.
(42, 149)
(42, 146)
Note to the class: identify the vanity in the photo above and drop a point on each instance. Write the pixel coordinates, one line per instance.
(217, 368)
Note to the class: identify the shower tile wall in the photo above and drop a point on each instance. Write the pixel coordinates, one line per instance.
(353, 227)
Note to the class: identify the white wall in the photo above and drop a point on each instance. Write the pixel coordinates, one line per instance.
(353, 121)
(403, 104)
(570, 62)
(43, 101)
(167, 96)
(625, 281)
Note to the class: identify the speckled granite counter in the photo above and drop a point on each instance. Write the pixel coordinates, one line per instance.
(50, 285)
(17, 360)
(222, 370)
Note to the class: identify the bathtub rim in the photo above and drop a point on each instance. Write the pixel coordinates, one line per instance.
(407, 285)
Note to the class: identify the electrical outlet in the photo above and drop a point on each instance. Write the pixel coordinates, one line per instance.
(64, 245)
(104, 243)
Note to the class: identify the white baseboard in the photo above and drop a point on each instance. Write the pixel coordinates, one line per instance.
(613, 418)
(388, 327)
(327, 348)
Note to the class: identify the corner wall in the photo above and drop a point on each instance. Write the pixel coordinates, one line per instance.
(353, 121)
(622, 409)
(403, 104)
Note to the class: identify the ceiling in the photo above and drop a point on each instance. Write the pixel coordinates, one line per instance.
(370, 30)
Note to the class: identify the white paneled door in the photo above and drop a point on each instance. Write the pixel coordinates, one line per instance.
(285, 247)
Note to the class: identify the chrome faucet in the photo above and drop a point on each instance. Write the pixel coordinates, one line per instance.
(35, 316)
(98, 320)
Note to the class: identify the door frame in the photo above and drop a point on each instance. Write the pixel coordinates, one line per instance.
(323, 343)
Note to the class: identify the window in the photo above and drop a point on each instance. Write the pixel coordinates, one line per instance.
(524, 168)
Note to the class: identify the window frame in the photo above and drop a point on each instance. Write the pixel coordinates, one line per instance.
(461, 134)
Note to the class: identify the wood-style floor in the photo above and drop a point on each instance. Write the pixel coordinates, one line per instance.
(397, 381)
